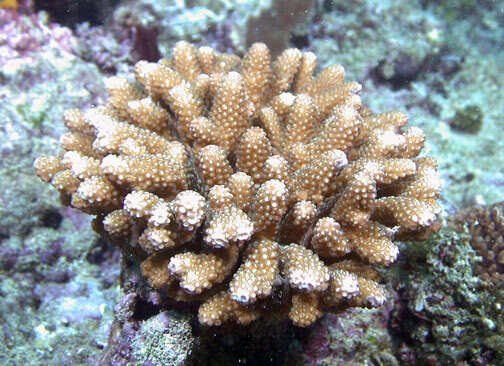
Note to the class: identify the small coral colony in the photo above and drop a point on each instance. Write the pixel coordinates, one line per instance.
(257, 189)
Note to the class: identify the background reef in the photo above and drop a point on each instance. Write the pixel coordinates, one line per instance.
(61, 302)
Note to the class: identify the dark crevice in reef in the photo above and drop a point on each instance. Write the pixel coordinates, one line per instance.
(3, 236)
(145, 310)
(70, 13)
(400, 325)
(51, 218)
(405, 69)
(447, 63)
(248, 345)
(100, 252)
(301, 41)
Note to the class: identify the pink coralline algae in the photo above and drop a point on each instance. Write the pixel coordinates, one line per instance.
(21, 35)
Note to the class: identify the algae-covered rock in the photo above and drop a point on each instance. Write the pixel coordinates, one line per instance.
(164, 339)
(450, 314)
(56, 293)
(357, 337)
(468, 119)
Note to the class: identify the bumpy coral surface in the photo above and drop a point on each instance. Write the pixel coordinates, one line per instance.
(255, 188)
(486, 227)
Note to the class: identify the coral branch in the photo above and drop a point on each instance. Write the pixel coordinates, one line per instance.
(257, 188)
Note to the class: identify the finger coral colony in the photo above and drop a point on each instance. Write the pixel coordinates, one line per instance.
(257, 189)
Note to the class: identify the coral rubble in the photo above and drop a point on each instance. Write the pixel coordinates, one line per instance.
(254, 187)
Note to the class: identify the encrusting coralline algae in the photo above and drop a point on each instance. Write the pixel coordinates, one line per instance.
(255, 188)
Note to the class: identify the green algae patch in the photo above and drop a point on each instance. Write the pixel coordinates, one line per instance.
(468, 119)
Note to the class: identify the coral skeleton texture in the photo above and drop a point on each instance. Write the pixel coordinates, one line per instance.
(255, 188)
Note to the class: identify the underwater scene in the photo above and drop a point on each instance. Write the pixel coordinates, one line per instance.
(252, 182)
